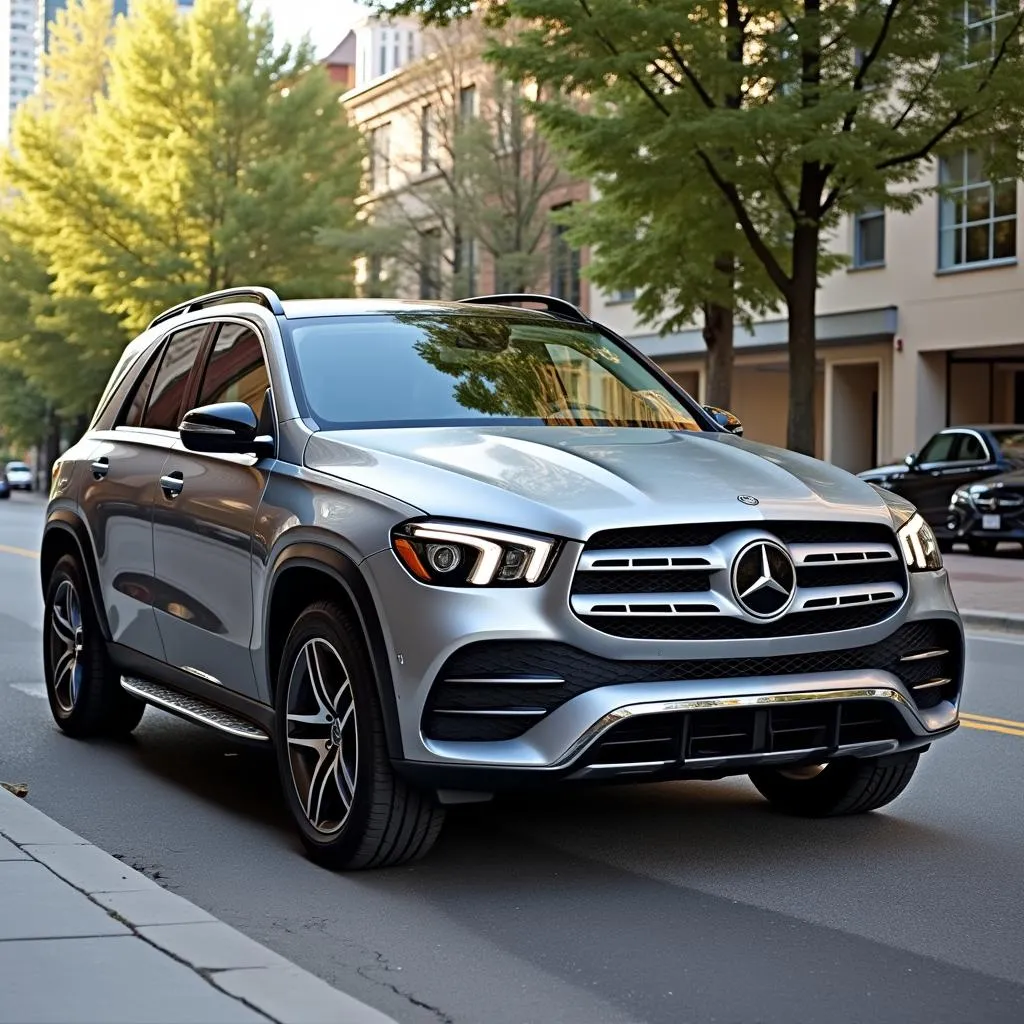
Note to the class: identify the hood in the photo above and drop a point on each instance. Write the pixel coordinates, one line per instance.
(573, 481)
(881, 472)
(1014, 480)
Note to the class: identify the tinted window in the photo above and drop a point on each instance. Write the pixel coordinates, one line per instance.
(236, 371)
(939, 448)
(163, 411)
(436, 369)
(971, 449)
(133, 416)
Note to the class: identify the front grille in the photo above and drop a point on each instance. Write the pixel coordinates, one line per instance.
(673, 582)
(493, 690)
(694, 737)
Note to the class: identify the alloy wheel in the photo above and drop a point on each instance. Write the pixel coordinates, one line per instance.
(322, 736)
(67, 642)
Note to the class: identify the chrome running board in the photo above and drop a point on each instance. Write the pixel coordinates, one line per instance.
(193, 708)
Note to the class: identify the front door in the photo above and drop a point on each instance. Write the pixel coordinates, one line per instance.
(203, 524)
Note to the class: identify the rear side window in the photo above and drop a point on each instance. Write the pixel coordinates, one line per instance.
(236, 371)
(163, 411)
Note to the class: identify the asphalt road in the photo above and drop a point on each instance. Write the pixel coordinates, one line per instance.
(669, 904)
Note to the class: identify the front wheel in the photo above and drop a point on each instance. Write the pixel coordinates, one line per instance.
(352, 809)
(848, 786)
(83, 687)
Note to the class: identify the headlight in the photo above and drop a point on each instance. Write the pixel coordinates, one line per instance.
(962, 497)
(917, 539)
(920, 548)
(461, 555)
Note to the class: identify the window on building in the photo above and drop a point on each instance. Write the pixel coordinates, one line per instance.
(410, 46)
(869, 237)
(383, 51)
(565, 262)
(430, 264)
(467, 270)
(398, 50)
(985, 24)
(163, 411)
(467, 102)
(380, 158)
(426, 139)
(977, 217)
(236, 371)
(623, 295)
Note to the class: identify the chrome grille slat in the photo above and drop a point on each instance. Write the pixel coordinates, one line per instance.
(697, 559)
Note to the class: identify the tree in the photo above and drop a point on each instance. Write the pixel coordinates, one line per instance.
(23, 411)
(208, 159)
(841, 105)
(479, 185)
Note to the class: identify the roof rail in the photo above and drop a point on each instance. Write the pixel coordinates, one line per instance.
(261, 296)
(558, 307)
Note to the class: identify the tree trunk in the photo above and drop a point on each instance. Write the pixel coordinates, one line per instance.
(718, 337)
(800, 308)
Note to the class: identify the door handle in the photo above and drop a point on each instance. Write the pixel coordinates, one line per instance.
(171, 484)
(100, 468)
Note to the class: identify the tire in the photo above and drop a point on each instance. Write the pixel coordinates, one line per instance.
(82, 685)
(358, 813)
(848, 786)
(981, 546)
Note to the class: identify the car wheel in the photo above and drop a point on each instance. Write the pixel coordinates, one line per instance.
(848, 786)
(980, 546)
(352, 809)
(83, 687)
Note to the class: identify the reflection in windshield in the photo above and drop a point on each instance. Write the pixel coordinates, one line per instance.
(425, 369)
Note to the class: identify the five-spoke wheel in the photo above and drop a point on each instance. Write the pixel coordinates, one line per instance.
(323, 735)
(351, 808)
(82, 684)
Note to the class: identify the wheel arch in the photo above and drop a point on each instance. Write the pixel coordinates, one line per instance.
(306, 571)
(65, 534)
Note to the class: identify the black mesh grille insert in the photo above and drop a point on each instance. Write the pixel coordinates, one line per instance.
(747, 732)
(487, 660)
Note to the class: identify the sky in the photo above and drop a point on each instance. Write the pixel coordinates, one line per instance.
(326, 21)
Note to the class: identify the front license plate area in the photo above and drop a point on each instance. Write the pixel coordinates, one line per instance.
(991, 522)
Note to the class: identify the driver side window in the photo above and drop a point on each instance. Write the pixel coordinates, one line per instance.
(941, 448)
(236, 371)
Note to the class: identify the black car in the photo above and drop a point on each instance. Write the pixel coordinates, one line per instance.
(5, 487)
(953, 458)
(986, 513)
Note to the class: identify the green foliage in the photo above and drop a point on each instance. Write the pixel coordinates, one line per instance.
(22, 412)
(795, 113)
(210, 159)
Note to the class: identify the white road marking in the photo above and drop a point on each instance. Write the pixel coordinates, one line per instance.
(32, 689)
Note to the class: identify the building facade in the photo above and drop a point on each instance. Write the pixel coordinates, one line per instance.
(19, 58)
(922, 330)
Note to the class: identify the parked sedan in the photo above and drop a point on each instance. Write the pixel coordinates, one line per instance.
(985, 513)
(19, 476)
(953, 458)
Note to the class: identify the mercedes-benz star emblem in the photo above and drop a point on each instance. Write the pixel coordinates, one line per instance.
(747, 499)
(764, 579)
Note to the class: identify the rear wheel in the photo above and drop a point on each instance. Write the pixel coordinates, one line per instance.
(981, 546)
(848, 786)
(82, 685)
(352, 809)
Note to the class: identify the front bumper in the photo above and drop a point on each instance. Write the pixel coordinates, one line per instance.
(435, 625)
(966, 522)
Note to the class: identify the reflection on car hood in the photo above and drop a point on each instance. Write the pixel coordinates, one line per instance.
(880, 472)
(576, 480)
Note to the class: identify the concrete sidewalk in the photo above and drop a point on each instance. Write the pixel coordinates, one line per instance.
(84, 938)
(989, 591)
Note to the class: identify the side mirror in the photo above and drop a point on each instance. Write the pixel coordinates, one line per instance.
(225, 428)
(725, 419)
(911, 460)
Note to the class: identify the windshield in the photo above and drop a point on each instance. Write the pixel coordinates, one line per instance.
(459, 369)
(16, 466)
(1011, 444)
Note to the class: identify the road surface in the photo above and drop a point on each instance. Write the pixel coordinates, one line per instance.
(668, 904)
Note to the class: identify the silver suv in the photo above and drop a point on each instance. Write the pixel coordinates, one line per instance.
(435, 551)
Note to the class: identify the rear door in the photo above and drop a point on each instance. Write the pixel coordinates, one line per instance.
(203, 525)
(120, 488)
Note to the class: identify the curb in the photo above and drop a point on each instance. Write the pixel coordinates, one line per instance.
(256, 978)
(993, 622)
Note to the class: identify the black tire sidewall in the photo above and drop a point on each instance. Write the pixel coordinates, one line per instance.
(317, 623)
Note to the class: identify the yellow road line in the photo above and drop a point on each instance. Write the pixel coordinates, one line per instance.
(984, 726)
(993, 721)
(24, 552)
